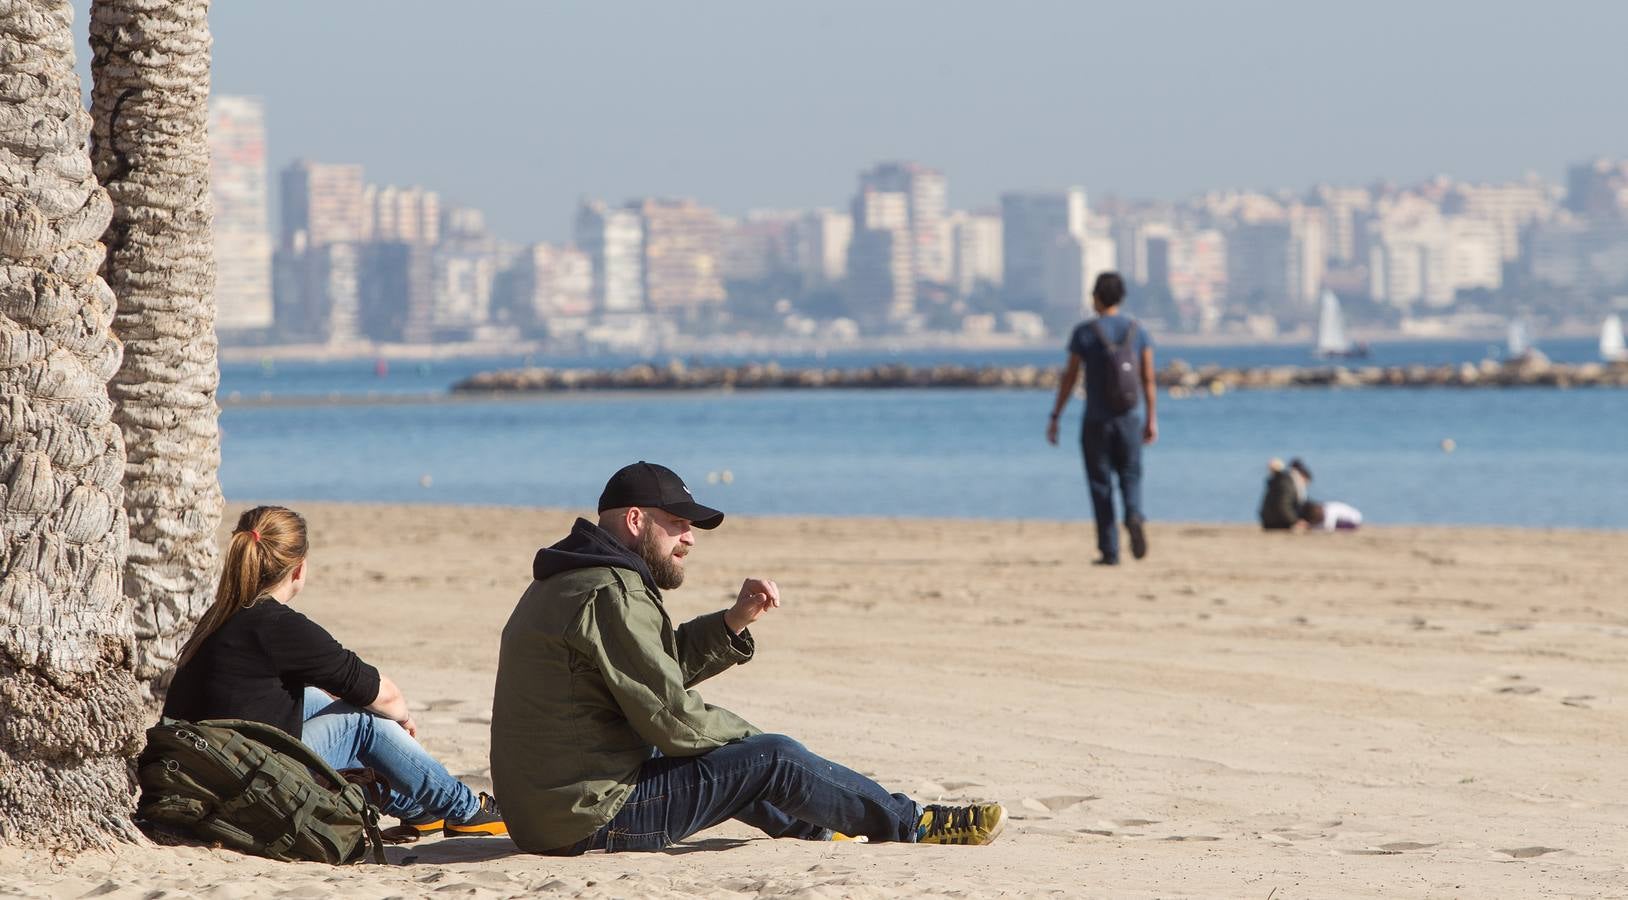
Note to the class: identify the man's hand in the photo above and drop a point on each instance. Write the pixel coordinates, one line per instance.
(410, 726)
(757, 596)
(1150, 432)
(1051, 431)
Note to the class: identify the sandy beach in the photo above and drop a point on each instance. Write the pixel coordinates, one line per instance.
(1401, 712)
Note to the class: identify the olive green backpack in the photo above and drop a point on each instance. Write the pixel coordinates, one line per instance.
(256, 789)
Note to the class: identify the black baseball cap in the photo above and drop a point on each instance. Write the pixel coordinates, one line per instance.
(650, 485)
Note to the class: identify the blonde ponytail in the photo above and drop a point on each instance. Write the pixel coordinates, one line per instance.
(268, 543)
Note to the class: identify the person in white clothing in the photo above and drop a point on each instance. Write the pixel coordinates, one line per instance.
(1330, 515)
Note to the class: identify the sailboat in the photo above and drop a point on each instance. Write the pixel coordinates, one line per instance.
(1332, 342)
(1612, 348)
(1517, 345)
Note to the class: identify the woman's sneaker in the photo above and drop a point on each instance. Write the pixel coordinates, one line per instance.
(424, 825)
(979, 823)
(488, 819)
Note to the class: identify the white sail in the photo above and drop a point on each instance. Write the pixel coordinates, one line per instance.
(1612, 348)
(1331, 339)
(1517, 345)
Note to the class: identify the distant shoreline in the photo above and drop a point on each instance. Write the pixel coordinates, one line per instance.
(769, 347)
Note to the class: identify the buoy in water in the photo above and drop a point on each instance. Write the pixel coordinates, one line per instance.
(424, 481)
(1448, 445)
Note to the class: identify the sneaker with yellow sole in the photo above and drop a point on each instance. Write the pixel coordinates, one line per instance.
(488, 819)
(978, 823)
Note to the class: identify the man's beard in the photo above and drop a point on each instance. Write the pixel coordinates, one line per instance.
(668, 572)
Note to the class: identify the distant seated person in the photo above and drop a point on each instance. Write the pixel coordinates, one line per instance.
(1286, 488)
(1330, 515)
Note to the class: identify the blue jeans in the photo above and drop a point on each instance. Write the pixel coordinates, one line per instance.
(1113, 447)
(347, 737)
(768, 781)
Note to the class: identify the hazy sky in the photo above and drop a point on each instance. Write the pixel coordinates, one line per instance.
(520, 108)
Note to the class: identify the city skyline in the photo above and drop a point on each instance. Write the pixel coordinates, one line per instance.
(362, 260)
(522, 109)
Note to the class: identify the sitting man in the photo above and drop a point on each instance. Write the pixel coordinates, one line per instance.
(598, 741)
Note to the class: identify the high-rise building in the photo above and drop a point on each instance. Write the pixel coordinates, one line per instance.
(408, 215)
(1032, 225)
(760, 246)
(1509, 208)
(237, 186)
(556, 289)
(1569, 253)
(820, 247)
(683, 248)
(1191, 264)
(881, 280)
(1598, 189)
(1276, 266)
(1072, 267)
(322, 207)
(614, 241)
(1428, 260)
(926, 197)
(1131, 233)
(397, 292)
(325, 201)
(975, 251)
(1343, 208)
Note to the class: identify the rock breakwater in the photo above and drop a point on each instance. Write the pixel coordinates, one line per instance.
(1178, 377)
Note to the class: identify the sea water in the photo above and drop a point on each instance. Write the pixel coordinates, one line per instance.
(1520, 456)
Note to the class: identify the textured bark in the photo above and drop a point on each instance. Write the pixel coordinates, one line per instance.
(150, 102)
(69, 712)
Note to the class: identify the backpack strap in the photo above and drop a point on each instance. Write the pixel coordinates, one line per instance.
(284, 743)
(1102, 335)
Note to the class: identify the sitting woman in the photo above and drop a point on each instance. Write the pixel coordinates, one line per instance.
(252, 657)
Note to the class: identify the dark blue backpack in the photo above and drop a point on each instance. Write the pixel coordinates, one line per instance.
(1124, 381)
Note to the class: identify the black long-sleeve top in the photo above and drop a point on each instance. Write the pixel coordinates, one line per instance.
(257, 665)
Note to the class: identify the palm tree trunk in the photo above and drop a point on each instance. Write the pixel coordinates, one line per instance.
(69, 713)
(150, 102)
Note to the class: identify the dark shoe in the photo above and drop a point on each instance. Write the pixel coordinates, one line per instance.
(1105, 561)
(421, 826)
(486, 820)
(1139, 537)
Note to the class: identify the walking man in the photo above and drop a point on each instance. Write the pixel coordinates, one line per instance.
(1116, 354)
(599, 741)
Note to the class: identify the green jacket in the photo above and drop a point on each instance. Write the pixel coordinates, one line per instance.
(592, 678)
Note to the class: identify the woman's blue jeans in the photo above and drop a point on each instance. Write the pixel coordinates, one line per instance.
(347, 737)
(768, 781)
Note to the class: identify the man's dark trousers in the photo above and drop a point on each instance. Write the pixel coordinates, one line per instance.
(1113, 446)
(767, 781)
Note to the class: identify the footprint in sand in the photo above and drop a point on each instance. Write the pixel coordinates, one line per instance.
(1577, 700)
(1529, 852)
(1405, 846)
(1066, 801)
(1055, 804)
(1519, 689)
